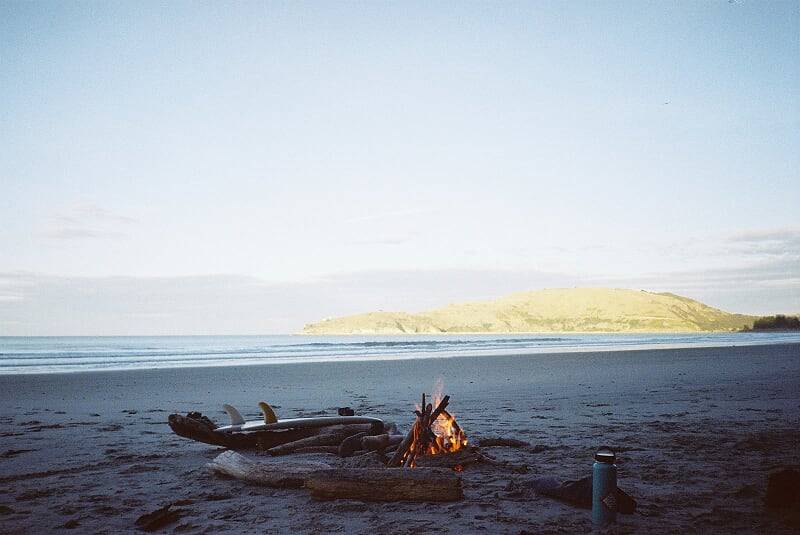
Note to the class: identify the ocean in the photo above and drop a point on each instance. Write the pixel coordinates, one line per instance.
(29, 355)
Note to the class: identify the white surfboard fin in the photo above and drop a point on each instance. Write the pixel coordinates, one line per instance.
(236, 418)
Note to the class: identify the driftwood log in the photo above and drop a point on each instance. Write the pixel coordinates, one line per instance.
(267, 472)
(382, 485)
(380, 442)
(328, 436)
(351, 444)
(326, 483)
(328, 439)
(333, 450)
(200, 428)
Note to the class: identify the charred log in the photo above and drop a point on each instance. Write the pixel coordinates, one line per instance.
(465, 457)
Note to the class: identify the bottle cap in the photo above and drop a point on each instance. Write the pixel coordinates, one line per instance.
(605, 455)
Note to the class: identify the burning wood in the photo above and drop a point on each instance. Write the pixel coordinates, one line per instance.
(435, 431)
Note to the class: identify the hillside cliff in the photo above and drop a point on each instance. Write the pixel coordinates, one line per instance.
(556, 310)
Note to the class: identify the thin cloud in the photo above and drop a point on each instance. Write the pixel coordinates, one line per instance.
(766, 243)
(80, 234)
(87, 221)
(86, 213)
(768, 272)
(390, 215)
(785, 235)
(382, 241)
(13, 286)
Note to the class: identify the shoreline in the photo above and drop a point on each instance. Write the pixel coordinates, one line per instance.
(468, 354)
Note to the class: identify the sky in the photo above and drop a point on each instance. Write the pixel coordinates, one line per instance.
(249, 167)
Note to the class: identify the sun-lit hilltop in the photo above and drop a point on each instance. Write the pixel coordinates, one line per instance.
(559, 310)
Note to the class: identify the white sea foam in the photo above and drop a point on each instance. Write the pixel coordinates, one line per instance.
(24, 355)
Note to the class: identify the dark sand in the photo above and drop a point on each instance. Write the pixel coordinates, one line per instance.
(697, 431)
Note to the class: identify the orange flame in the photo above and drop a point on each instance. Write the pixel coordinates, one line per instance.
(449, 437)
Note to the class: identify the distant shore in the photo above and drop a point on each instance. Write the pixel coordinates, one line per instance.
(555, 310)
(522, 333)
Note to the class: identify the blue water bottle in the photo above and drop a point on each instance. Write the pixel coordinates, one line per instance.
(604, 487)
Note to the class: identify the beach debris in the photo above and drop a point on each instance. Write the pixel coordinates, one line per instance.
(783, 489)
(159, 518)
(579, 493)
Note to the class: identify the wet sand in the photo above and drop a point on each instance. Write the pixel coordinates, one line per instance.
(697, 432)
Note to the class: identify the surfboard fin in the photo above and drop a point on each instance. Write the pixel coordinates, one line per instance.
(269, 414)
(236, 418)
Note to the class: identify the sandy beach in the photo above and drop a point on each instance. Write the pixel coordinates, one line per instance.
(697, 432)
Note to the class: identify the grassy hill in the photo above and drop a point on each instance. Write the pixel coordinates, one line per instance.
(558, 310)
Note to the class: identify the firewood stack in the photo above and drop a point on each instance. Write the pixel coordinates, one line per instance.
(422, 440)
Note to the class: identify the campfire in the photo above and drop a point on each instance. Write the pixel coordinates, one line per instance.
(435, 431)
(435, 445)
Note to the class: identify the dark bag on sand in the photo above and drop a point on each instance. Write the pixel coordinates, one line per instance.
(579, 493)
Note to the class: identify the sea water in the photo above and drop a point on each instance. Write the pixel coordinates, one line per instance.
(20, 355)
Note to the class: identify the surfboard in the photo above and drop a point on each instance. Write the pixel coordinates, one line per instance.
(238, 423)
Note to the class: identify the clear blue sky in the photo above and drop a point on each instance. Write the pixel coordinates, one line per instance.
(248, 167)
